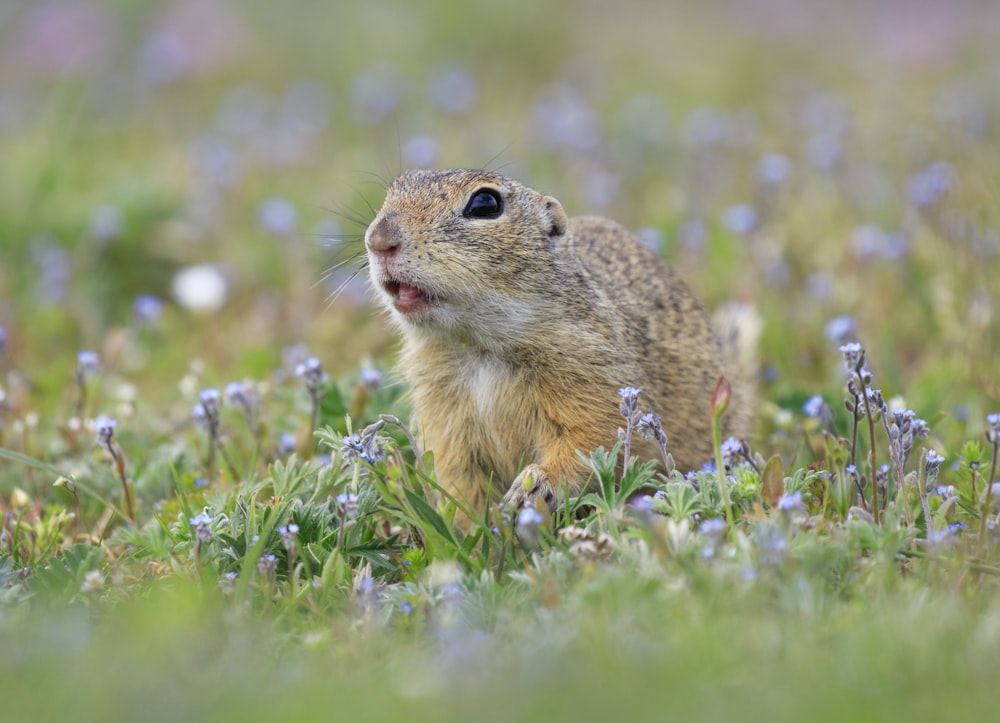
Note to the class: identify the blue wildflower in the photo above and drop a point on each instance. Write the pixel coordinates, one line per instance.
(813, 406)
(527, 525)
(147, 308)
(740, 218)
(88, 364)
(841, 329)
(278, 216)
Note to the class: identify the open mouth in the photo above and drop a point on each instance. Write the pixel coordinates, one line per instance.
(406, 298)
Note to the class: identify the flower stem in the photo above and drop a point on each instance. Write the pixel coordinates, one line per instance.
(720, 400)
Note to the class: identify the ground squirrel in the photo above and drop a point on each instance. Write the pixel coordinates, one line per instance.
(520, 325)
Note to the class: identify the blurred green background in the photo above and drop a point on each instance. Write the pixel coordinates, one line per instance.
(773, 150)
(834, 164)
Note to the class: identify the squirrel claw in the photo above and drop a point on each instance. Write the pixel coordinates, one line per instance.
(531, 485)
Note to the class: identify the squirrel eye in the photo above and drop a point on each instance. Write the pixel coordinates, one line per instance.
(485, 203)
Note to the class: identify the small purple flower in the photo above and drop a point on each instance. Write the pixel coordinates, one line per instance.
(312, 374)
(773, 169)
(370, 378)
(289, 535)
(347, 505)
(993, 421)
(652, 238)
(792, 507)
(421, 151)
(928, 187)
(651, 427)
(453, 89)
(377, 92)
(227, 583)
(630, 403)
(278, 216)
(88, 364)
(105, 428)
(350, 447)
(841, 329)
(210, 398)
(824, 151)
(206, 412)
(202, 524)
(147, 309)
(731, 448)
(854, 355)
(267, 565)
(813, 406)
(945, 492)
(243, 396)
(741, 219)
(772, 544)
(106, 223)
(234, 394)
(527, 526)
(642, 505)
(932, 463)
(692, 234)
(791, 502)
(714, 529)
(406, 607)
(940, 537)
(629, 393)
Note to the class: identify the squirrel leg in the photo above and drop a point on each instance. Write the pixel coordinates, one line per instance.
(532, 484)
(556, 476)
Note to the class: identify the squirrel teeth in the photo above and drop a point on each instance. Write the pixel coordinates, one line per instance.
(409, 299)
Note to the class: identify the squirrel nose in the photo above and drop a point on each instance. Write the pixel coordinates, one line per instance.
(384, 237)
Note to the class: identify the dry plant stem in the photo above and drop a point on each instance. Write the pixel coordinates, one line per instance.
(119, 460)
(922, 489)
(871, 465)
(871, 441)
(720, 401)
(898, 462)
(627, 448)
(197, 559)
(394, 420)
(854, 457)
(229, 463)
(314, 414)
(81, 401)
(988, 500)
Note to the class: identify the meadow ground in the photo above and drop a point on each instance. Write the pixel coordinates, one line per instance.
(183, 189)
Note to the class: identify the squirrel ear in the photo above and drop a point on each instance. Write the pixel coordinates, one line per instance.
(556, 216)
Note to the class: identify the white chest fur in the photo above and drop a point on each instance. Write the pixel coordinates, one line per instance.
(486, 380)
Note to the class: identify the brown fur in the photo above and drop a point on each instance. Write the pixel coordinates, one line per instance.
(535, 323)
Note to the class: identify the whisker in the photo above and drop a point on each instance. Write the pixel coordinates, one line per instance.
(335, 294)
(488, 166)
(331, 270)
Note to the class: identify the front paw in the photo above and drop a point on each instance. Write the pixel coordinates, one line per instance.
(530, 487)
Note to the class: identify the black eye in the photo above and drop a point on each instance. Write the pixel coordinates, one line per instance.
(485, 203)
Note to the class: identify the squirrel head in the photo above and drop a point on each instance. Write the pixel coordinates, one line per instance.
(466, 252)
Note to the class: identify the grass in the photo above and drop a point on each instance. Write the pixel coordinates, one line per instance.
(284, 550)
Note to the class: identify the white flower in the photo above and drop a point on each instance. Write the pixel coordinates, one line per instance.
(201, 287)
(92, 581)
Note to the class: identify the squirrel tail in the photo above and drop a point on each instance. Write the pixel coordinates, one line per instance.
(739, 328)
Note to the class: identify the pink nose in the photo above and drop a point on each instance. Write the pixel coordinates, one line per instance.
(384, 237)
